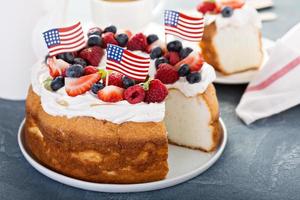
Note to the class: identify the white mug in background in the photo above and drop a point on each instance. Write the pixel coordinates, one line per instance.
(126, 14)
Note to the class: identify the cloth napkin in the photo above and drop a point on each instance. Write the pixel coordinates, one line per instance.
(277, 85)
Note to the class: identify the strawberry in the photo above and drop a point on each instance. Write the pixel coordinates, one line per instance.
(92, 55)
(137, 42)
(207, 6)
(57, 66)
(195, 62)
(173, 57)
(128, 33)
(77, 86)
(115, 78)
(90, 70)
(134, 94)
(167, 74)
(108, 38)
(111, 93)
(235, 4)
(156, 93)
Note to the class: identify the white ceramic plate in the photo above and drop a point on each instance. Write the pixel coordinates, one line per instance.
(245, 77)
(184, 164)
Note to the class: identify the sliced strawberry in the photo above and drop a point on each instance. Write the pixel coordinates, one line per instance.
(111, 93)
(57, 66)
(77, 86)
(195, 61)
(90, 70)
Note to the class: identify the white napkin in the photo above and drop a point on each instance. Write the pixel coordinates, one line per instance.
(277, 86)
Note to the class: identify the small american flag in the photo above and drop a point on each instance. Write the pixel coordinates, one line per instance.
(61, 40)
(183, 26)
(127, 63)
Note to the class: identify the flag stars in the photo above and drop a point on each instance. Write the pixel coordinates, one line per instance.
(114, 53)
(171, 17)
(52, 37)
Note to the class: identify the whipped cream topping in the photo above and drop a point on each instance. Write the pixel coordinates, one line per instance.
(244, 16)
(60, 104)
(208, 75)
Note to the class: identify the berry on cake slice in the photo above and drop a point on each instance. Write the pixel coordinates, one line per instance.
(77, 86)
(92, 55)
(234, 4)
(134, 94)
(194, 60)
(137, 42)
(167, 74)
(173, 57)
(156, 93)
(122, 39)
(110, 29)
(207, 6)
(90, 70)
(56, 66)
(111, 94)
(108, 38)
(115, 78)
(95, 31)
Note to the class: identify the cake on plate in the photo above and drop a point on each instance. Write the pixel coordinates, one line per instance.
(232, 36)
(192, 110)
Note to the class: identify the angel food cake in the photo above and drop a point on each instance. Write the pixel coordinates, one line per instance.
(107, 127)
(232, 38)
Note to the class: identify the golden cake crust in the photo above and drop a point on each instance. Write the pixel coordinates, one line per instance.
(96, 150)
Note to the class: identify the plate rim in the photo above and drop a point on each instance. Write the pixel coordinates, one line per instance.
(125, 188)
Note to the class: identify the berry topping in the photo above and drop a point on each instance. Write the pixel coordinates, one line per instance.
(167, 74)
(90, 70)
(173, 57)
(128, 33)
(174, 46)
(152, 38)
(207, 6)
(227, 11)
(234, 4)
(184, 70)
(156, 53)
(95, 31)
(111, 93)
(156, 93)
(108, 38)
(137, 42)
(122, 39)
(74, 71)
(115, 78)
(57, 83)
(80, 61)
(92, 55)
(68, 57)
(195, 61)
(159, 61)
(127, 82)
(96, 87)
(193, 77)
(57, 66)
(111, 29)
(77, 86)
(185, 52)
(134, 94)
(94, 40)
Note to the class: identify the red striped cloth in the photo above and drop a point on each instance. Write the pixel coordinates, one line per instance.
(127, 63)
(68, 39)
(183, 26)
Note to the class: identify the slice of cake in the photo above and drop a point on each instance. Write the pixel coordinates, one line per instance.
(192, 110)
(232, 38)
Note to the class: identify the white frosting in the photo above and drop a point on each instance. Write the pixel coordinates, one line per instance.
(208, 75)
(60, 104)
(244, 16)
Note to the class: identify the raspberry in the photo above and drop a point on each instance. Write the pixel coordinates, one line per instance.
(138, 42)
(108, 38)
(115, 79)
(173, 57)
(92, 55)
(167, 74)
(206, 6)
(134, 94)
(157, 92)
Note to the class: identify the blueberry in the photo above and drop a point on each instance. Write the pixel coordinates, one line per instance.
(80, 61)
(156, 53)
(95, 31)
(96, 87)
(94, 40)
(68, 57)
(174, 46)
(127, 82)
(111, 28)
(193, 77)
(151, 38)
(227, 11)
(57, 83)
(159, 61)
(185, 52)
(184, 70)
(122, 39)
(74, 71)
